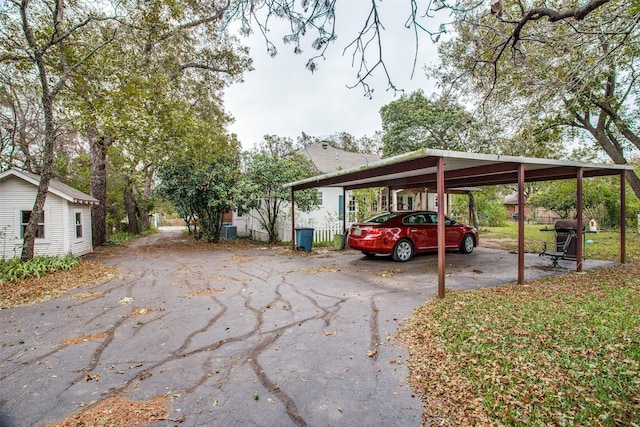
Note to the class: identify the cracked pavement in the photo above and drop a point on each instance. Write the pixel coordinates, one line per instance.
(232, 337)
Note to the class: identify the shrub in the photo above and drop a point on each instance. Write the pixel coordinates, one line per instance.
(14, 269)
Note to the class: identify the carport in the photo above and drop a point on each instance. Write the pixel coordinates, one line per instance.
(442, 171)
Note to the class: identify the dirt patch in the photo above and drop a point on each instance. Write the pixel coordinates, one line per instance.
(120, 411)
(78, 340)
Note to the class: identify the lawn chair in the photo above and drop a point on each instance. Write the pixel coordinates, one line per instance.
(558, 254)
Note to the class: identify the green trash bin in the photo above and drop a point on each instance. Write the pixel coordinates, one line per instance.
(304, 239)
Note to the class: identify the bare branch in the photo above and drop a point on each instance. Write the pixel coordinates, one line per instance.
(578, 13)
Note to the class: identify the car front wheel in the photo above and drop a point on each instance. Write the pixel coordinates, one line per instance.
(466, 246)
(403, 251)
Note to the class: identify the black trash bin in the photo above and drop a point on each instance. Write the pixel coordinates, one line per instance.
(304, 238)
(563, 228)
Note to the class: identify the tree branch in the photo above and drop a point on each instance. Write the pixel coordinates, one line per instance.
(578, 13)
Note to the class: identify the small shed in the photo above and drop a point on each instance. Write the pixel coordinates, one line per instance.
(65, 226)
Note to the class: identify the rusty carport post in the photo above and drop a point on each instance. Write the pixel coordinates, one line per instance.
(293, 221)
(441, 228)
(521, 224)
(623, 218)
(579, 254)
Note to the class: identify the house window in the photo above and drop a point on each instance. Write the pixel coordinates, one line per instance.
(400, 203)
(352, 204)
(24, 220)
(384, 202)
(340, 207)
(374, 205)
(320, 198)
(78, 217)
(410, 203)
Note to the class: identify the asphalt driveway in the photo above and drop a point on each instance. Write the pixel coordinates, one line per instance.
(260, 336)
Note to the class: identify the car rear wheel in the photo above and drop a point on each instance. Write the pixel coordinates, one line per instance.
(466, 246)
(402, 251)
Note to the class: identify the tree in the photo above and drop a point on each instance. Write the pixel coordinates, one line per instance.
(269, 166)
(317, 20)
(36, 36)
(415, 121)
(202, 191)
(487, 207)
(568, 79)
(147, 93)
(600, 199)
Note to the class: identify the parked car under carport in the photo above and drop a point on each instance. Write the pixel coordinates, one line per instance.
(403, 234)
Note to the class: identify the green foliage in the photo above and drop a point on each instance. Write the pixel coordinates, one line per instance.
(560, 84)
(365, 199)
(202, 191)
(268, 167)
(489, 204)
(14, 269)
(415, 121)
(605, 246)
(600, 198)
(120, 237)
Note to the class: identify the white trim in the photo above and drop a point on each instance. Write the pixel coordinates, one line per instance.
(18, 224)
(75, 226)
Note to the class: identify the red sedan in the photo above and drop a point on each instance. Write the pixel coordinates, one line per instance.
(403, 234)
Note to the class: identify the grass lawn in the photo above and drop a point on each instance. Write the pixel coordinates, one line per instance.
(564, 350)
(605, 246)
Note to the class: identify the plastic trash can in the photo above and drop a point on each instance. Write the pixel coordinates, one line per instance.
(304, 239)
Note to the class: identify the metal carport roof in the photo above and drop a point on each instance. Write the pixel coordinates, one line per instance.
(447, 170)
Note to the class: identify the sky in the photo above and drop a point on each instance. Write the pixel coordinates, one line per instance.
(281, 97)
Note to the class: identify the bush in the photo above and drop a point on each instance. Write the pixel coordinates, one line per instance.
(14, 269)
(119, 238)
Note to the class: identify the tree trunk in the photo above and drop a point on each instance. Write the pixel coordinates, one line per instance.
(613, 150)
(130, 209)
(473, 210)
(28, 246)
(98, 146)
(145, 220)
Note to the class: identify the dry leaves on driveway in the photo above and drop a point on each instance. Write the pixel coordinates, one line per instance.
(37, 290)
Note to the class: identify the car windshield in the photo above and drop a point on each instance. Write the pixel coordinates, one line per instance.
(379, 219)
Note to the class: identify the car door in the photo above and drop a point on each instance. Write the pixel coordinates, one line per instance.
(452, 231)
(419, 231)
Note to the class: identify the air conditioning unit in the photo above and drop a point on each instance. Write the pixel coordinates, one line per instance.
(229, 232)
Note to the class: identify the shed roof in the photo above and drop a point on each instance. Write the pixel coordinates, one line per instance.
(55, 187)
(418, 169)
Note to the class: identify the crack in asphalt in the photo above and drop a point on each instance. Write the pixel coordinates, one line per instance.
(188, 328)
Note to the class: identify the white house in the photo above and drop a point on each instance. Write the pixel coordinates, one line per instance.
(66, 223)
(327, 218)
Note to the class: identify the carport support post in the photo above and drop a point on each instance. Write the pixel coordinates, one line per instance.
(579, 254)
(344, 210)
(441, 228)
(623, 218)
(521, 224)
(293, 221)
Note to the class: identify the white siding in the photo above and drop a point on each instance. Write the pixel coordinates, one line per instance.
(323, 218)
(17, 195)
(80, 245)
